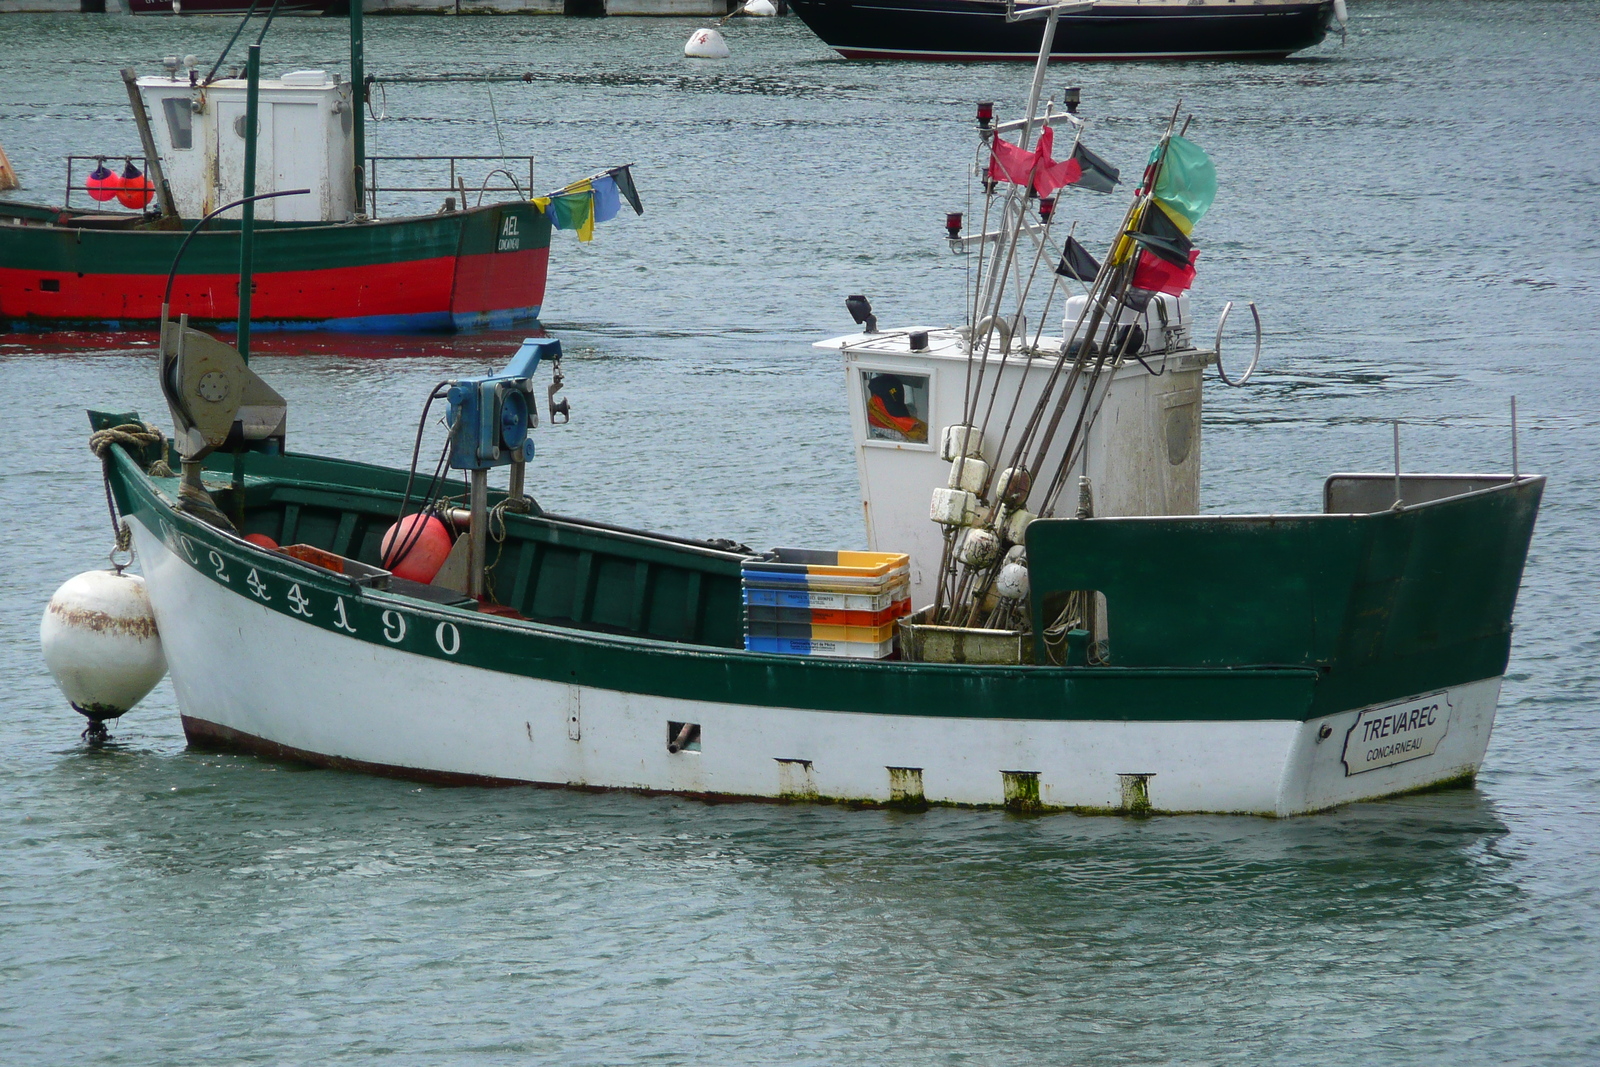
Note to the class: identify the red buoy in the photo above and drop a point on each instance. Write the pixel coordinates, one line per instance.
(415, 547)
(102, 183)
(136, 190)
(262, 540)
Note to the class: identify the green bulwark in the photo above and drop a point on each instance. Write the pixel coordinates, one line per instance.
(1382, 604)
(1210, 619)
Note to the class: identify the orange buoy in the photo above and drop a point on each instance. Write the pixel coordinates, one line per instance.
(416, 547)
(102, 183)
(136, 192)
(262, 540)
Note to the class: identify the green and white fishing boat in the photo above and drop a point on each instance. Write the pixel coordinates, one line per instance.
(1270, 664)
(1084, 638)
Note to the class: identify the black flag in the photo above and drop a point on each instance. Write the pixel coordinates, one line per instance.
(1137, 299)
(1162, 237)
(624, 179)
(1076, 262)
(1098, 175)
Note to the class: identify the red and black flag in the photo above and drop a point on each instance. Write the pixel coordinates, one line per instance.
(1014, 164)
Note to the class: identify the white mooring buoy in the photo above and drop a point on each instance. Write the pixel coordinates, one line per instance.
(761, 9)
(100, 643)
(706, 44)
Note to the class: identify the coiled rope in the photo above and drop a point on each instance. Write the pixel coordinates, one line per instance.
(133, 435)
(130, 435)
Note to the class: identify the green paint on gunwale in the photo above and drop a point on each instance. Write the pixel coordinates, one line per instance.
(674, 668)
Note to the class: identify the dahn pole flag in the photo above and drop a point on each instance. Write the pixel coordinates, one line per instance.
(1154, 273)
(1076, 262)
(1098, 175)
(1160, 234)
(1011, 163)
(1187, 183)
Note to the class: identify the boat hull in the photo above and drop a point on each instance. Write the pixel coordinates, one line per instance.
(233, 7)
(977, 30)
(452, 271)
(396, 686)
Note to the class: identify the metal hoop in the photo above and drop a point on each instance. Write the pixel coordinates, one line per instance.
(1217, 347)
(994, 324)
(123, 546)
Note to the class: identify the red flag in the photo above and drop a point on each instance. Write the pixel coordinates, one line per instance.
(1051, 175)
(1153, 272)
(1009, 163)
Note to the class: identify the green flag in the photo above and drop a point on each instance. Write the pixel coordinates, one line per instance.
(1187, 183)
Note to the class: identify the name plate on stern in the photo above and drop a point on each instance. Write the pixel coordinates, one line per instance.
(1396, 733)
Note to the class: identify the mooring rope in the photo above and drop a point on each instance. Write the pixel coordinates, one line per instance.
(132, 435)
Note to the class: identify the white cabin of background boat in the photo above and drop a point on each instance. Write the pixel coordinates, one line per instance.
(306, 141)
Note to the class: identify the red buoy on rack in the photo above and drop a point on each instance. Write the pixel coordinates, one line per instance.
(136, 192)
(102, 182)
(416, 547)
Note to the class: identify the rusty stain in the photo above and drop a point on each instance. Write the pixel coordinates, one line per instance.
(100, 622)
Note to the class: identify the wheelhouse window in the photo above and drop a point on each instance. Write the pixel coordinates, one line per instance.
(180, 121)
(896, 406)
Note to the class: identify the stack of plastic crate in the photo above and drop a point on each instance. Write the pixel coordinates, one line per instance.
(799, 602)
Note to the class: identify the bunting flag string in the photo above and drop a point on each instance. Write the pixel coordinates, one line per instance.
(580, 204)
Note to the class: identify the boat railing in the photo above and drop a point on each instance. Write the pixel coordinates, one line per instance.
(83, 187)
(469, 177)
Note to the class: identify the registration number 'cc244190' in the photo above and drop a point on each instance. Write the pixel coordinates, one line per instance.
(1395, 733)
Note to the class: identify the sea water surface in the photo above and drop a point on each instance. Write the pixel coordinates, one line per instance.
(1414, 212)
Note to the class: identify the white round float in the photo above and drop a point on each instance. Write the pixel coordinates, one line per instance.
(706, 44)
(761, 9)
(100, 642)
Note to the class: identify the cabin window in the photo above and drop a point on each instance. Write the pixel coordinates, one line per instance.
(896, 406)
(180, 121)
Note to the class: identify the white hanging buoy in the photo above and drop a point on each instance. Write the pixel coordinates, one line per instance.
(979, 549)
(706, 44)
(763, 9)
(1341, 12)
(100, 642)
(1012, 581)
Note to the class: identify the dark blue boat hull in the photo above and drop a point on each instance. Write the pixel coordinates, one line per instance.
(977, 30)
